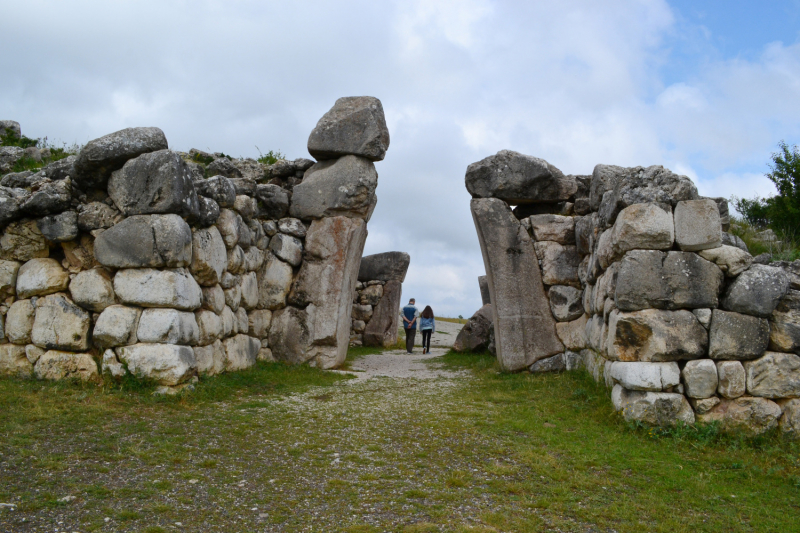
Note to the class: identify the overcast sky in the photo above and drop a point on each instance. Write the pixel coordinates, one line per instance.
(706, 88)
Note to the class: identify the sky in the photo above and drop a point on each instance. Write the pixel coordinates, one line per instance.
(707, 88)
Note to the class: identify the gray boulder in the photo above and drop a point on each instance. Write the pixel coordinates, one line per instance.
(49, 197)
(737, 336)
(9, 155)
(566, 303)
(784, 335)
(218, 188)
(293, 227)
(287, 248)
(555, 363)
(730, 259)
(22, 180)
(559, 263)
(354, 126)
(384, 267)
(340, 187)
(653, 377)
(146, 241)
(651, 279)
(734, 240)
(97, 215)
(474, 336)
(757, 291)
(653, 335)
(224, 167)
(274, 201)
(554, 228)
(11, 200)
(100, 157)
(775, 375)
(59, 228)
(154, 183)
(697, 225)
(61, 169)
(166, 364)
(208, 212)
(10, 126)
(518, 179)
(56, 365)
(209, 257)
(752, 415)
(732, 379)
(700, 378)
(60, 324)
(654, 408)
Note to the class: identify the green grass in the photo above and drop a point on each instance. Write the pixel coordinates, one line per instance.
(28, 163)
(789, 250)
(281, 448)
(453, 320)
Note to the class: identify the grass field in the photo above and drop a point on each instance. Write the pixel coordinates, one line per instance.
(281, 448)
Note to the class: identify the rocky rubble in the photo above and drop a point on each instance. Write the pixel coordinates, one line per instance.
(631, 274)
(134, 258)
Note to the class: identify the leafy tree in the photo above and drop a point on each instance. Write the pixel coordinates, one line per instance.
(782, 211)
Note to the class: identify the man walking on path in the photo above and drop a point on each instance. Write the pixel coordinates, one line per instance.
(410, 314)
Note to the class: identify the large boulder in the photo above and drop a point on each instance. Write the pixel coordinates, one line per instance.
(559, 263)
(10, 127)
(384, 267)
(19, 321)
(274, 282)
(146, 241)
(165, 364)
(383, 327)
(217, 188)
(573, 334)
(752, 415)
(209, 256)
(474, 336)
(60, 324)
(100, 157)
(653, 377)
(730, 259)
(556, 228)
(240, 351)
(14, 362)
(325, 285)
(59, 228)
(92, 289)
(154, 183)
(650, 279)
(784, 334)
(210, 359)
(41, 276)
(732, 379)
(700, 379)
(566, 302)
(116, 326)
(654, 408)
(57, 365)
(9, 155)
(287, 248)
(147, 287)
(354, 125)
(518, 179)
(654, 335)
(22, 240)
(736, 336)
(640, 227)
(697, 225)
(339, 187)
(775, 375)
(757, 291)
(168, 326)
(274, 200)
(523, 324)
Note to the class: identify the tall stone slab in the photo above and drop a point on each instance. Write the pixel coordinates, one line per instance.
(483, 283)
(383, 326)
(324, 289)
(525, 330)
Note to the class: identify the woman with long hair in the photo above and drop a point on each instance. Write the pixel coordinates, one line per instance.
(427, 324)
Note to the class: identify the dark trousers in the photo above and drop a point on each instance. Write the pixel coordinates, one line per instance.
(411, 333)
(426, 339)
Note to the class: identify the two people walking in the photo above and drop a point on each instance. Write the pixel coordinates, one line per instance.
(426, 321)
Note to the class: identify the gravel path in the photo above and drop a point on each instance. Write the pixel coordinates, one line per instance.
(399, 364)
(444, 335)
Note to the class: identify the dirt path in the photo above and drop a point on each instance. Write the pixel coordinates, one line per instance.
(399, 364)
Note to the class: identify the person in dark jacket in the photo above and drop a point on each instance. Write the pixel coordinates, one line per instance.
(410, 314)
(427, 325)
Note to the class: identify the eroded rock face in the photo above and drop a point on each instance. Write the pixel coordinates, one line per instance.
(59, 228)
(60, 324)
(14, 362)
(154, 183)
(757, 291)
(700, 378)
(790, 421)
(653, 335)
(116, 326)
(100, 157)
(240, 352)
(573, 334)
(697, 225)
(752, 415)
(217, 188)
(483, 283)
(166, 364)
(518, 179)
(274, 200)
(340, 187)
(354, 125)
(209, 256)
(168, 326)
(146, 241)
(524, 326)
(274, 283)
(382, 329)
(56, 365)
(19, 321)
(384, 267)
(41, 276)
(775, 375)
(554, 228)
(655, 408)
(654, 377)
(92, 290)
(566, 303)
(737, 336)
(474, 336)
(730, 259)
(732, 379)
(148, 287)
(640, 227)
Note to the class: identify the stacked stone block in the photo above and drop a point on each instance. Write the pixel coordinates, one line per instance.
(376, 299)
(644, 288)
(131, 258)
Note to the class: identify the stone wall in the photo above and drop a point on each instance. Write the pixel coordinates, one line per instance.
(376, 300)
(631, 274)
(133, 258)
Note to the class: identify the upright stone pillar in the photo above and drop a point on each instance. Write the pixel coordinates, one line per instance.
(524, 328)
(483, 282)
(384, 325)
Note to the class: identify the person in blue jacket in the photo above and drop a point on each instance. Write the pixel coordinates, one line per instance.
(427, 324)
(410, 314)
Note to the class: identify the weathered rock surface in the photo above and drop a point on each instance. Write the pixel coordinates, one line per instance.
(518, 179)
(654, 377)
(737, 336)
(654, 408)
(700, 378)
(732, 379)
(566, 303)
(775, 375)
(59, 228)
(116, 326)
(362, 312)
(483, 283)
(287, 248)
(274, 283)
(57, 365)
(654, 335)
(756, 291)
(474, 336)
(209, 256)
(210, 359)
(41, 276)
(165, 364)
(752, 415)
(240, 352)
(731, 260)
(523, 324)
(146, 241)
(573, 334)
(555, 363)
(784, 335)
(554, 228)
(258, 323)
(341, 187)
(354, 125)
(22, 241)
(168, 326)
(650, 279)
(641, 227)
(697, 225)
(372, 295)
(559, 263)
(14, 362)
(147, 287)
(154, 183)
(790, 421)
(274, 200)
(217, 188)
(97, 215)
(19, 321)
(100, 157)
(60, 324)
(383, 327)
(92, 290)
(384, 267)
(8, 278)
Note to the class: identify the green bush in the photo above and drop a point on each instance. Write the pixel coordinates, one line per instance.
(270, 158)
(28, 163)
